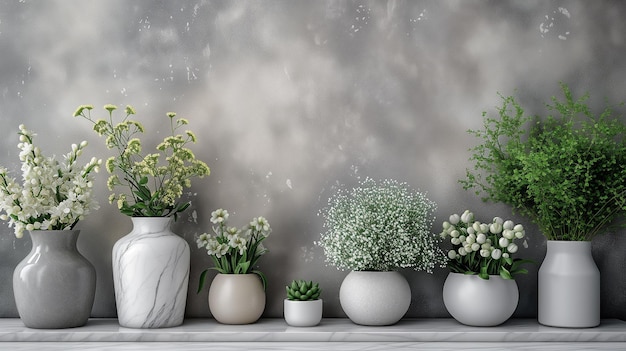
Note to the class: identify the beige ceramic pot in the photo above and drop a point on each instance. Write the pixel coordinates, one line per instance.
(236, 298)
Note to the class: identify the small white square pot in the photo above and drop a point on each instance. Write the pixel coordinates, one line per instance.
(303, 313)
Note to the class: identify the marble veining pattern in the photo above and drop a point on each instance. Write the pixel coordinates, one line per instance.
(151, 274)
(330, 330)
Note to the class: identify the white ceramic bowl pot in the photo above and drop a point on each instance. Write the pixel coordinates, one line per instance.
(375, 298)
(479, 302)
(303, 313)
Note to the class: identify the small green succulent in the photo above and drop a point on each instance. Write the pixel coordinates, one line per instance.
(301, 290)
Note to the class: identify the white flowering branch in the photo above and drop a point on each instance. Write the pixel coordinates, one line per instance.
(53, 195)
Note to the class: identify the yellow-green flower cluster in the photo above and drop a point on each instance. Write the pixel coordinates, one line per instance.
(156, 181)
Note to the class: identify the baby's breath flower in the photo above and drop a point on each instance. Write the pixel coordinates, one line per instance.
(380, 226)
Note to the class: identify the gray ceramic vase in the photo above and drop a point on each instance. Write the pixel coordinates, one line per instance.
(54, 285)
(569, 286)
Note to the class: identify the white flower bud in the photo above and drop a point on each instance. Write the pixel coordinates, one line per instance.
(454, 219)
(83, 143)
(495, 228)
(452, 254)
(509, 234)
(508, 225)
(505, 255)
(476, 226)
(518, 228)
(485, 253)
(498, 220)
(467, 216)
(481, 238)
(520, 235)
(455, 233)
(503, 242)
(484, 228)
(512, 248)
(475, 247)
(486, 246)
(471, 230)
(446, 225)
(462, 251)
(455, 241)
(496, 254)
(471, 239)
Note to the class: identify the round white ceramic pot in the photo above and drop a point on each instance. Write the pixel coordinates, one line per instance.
(569, 286)
(303, 313)
(479, 302)
(375, 298)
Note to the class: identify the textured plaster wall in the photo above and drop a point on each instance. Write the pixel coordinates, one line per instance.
(289, 98)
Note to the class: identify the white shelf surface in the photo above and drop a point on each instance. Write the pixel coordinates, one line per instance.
(336, 334)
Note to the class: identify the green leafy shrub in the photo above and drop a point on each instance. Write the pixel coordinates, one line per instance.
(567, 171)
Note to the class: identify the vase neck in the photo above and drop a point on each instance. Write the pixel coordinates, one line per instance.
(54, 239)
(573, 247)
(151, 224)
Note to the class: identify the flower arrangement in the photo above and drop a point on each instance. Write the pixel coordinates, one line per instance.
(566, 171)
(53, 195)
(380, 226)
(483, 249)
(234, 250)
(154, 186)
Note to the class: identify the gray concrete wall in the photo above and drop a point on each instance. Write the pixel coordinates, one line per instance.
(289, 98)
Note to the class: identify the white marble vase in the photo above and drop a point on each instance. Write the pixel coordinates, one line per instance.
(151, 275)
(479, 302)
(375, 298)
(569, 286)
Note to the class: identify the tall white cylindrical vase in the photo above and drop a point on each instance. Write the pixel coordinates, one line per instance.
(151, 275)
(569, 286)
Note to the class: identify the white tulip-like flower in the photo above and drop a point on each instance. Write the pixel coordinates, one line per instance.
(454, 219)
(455, 233)
(509, 234)
(508, 224)
(495, 228)
(467, 217)
(481, 238)
(446, 225)
(471, 239)
(452, 254)
(503, 242)
(483, 245)
(496, 254)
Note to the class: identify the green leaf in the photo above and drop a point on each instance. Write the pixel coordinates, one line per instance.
(202, 280)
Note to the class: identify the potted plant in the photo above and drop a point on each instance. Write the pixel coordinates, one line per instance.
(150, 264)
(237, 293)
(373, 230)
(566, 173)
(482, 268)
(303, 307)
(54, 285)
